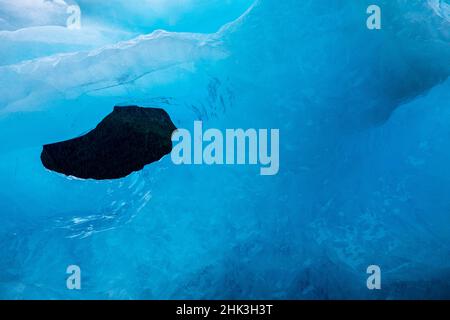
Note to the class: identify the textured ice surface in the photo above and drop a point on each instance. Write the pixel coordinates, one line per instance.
(73, 74)
(35, 42)
(364, 125)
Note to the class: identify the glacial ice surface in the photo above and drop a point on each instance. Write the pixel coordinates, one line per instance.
(364, 119)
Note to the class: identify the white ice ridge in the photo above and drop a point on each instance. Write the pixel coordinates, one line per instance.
(81, 72)
(27, 85)
(231, 26)
(441, 8)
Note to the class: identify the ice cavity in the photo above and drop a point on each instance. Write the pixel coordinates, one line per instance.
(25, 86)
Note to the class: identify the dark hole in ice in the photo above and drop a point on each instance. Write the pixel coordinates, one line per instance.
(124, 142)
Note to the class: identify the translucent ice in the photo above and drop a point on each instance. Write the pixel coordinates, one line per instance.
(364, 152)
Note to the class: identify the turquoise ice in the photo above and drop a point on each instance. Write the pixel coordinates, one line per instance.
(364, 119)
